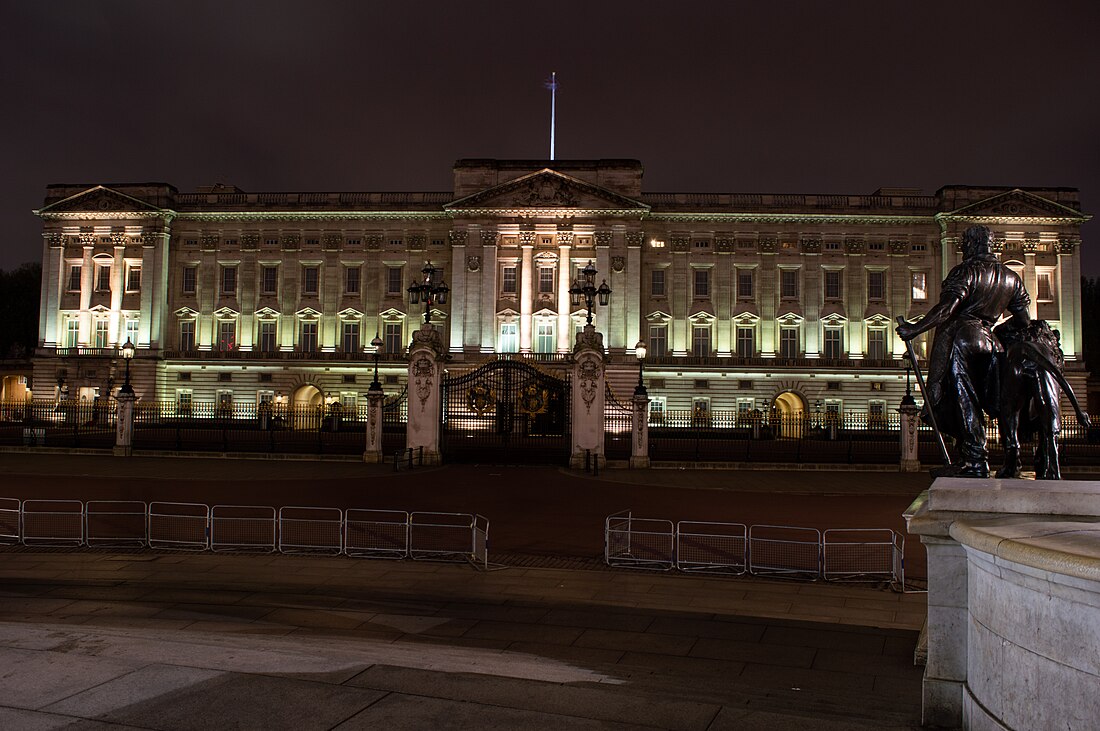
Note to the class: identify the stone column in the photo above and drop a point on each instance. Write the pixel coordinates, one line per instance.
(910, 421)
(425, 376)
(372, 454)
(1031, 281)
(124, 425)
(639, 440)
(459, 291)
(118, 286)
(633, 294)
(527, 289)
(488, 309)
(87, 284)
(54, 282)
(1068, 287)
(565, 281)
(588, 397)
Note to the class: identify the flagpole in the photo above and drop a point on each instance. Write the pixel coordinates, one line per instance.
(553, 86)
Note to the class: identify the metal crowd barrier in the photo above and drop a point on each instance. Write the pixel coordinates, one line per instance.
(376, 533)
(837, 554)
(354, 532)
(115, 523)
(642, 543)
(311, 530)
(53, 522)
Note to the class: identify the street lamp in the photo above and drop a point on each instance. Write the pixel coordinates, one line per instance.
(430, 290)
(639, 353)
(907, 399)
(377, 344)
(128, 350)
(585, 286)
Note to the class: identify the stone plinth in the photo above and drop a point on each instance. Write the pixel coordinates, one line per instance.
(1013, 603)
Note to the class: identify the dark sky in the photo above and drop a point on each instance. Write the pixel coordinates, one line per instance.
(803, 97)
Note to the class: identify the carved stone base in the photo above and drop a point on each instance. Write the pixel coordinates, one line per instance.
(126, 451)
(372, 457)
(910, 465)
(639, 463)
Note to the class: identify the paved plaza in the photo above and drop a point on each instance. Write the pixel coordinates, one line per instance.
(550, 638)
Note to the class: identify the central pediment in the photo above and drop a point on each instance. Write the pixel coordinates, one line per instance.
(1016, 203)
(546, 190)
(100, 199)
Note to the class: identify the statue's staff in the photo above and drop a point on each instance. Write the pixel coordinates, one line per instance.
(924, 394)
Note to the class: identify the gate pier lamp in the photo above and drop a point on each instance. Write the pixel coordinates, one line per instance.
(584, 290)
(432, 290)
(127, 351)
(907, 399)
(375, 385)
(639, 353)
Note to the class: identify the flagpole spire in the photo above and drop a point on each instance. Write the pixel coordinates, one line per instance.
(552, 85)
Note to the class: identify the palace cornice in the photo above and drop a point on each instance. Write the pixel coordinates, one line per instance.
(944, 218)
(165, 214)
(225, 216)
(547, 213)
(817, 218)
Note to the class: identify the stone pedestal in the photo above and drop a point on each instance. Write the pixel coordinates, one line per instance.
(124, 424)
(425, 374)
(372, 452)
(910, 422)
(1013, 603)
(588, 395)
(639, 440)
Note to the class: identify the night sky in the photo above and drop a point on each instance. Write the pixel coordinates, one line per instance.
(800, 97)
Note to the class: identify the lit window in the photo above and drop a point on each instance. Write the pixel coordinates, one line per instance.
(310, 280)
(183, 402)
(702, 282)
(920, 286)
(268, 333)
(546, 280)
(834, 343)
(72, 333)
(657, 283)
(187, 335)
(189, 280)
(658, 340)
(101, 334)
(229, 280)
(700, 340)
(350, 340)
(103, 278)
(876, 344)
(746, 342)
(832, 284)
(393, 337)
(74, 278)
(544, 338)
(508, 280)
(788, 284)
(131, 330)
(227, 334)
(788, 342)
(308, 340)
(351, 280)
(744, 284)
(876, 285)
(393, 280)
(1044, 287)
(270, 283)
(509, 340)
(133, 278)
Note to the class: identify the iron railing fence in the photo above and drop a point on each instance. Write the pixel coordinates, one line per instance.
(75, 424)
(777, 551)
(395, 418)
(618, 418)
(354, 532)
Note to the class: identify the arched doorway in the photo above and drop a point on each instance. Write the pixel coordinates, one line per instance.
(306, 407)
(790, 409)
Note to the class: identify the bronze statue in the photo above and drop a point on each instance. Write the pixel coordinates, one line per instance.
(1031, 376)
(963, 369)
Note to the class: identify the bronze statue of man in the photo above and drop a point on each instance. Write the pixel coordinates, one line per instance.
(963, 367)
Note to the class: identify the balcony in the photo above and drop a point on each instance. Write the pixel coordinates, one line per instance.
(238, 355)
(758, 362)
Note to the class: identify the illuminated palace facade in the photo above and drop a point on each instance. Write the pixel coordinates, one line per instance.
(745, 301)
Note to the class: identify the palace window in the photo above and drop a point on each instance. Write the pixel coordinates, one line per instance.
(227, 334)
(876, 343)
(349, 343)
(351, 280)
(788, 284)
(544, 338)
(229, 281)
(187, 335)
(832, 284)
(509, 340)
(268, 336)
(189, 277)
(72, 333)
(658, 340)
(131, 330)
(1044, 286)
(393, 337)
(702, 282)
(876, 286)
(508, 280)
(788, 342)
(657, 283)
(101, 334)
(74, 277)
(307, 341)
(103, 278)
(269, 283)
(657, 409)
(183, 401)
(310, 280)
(746, 342)
(546, 280)
(133, 278)
(834, 343)
(700, 340)
(920, 286)
(744, 284)
(393, 280)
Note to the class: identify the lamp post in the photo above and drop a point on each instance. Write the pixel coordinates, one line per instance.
(639, 353)
(907, 399)
(585, 286)
(127, 350)
(375, 385)
(430, 290)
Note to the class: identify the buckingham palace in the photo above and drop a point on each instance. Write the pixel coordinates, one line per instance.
(743, 301)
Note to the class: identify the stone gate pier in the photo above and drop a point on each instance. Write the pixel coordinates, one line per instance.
(1013, 603)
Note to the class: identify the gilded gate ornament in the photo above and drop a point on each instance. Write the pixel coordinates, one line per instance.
(480, 398)
(533, 400)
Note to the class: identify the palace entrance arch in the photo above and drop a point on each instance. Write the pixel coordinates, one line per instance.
(790, 410)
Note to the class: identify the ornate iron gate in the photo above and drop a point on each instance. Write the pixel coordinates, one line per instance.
(505, 412)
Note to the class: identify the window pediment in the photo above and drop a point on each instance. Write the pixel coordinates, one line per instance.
(789, 319)
(658, 317)
(226, 313)
(186, 312)
(877, 320)
(266, 313)
(833, 320)
(746, 319)
(308, 313)
(702, 318)
(349, 313)
(392, 315)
